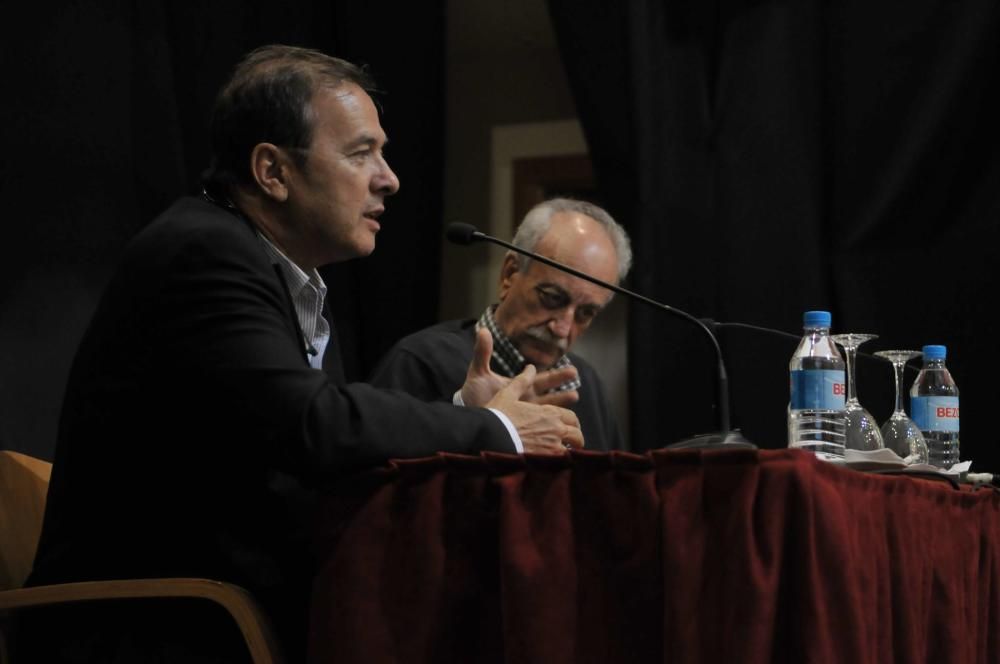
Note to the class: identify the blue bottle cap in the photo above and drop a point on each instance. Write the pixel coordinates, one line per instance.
(816, 319)
(935, 352)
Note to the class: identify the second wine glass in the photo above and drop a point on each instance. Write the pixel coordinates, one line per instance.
(862, 430)
(899, 432)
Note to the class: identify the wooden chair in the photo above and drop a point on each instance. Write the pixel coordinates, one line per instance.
(23, 487)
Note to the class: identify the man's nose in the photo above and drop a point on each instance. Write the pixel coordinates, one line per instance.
(561, 323)
(385, 181)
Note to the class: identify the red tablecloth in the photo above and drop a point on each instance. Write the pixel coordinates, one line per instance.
(680, 556)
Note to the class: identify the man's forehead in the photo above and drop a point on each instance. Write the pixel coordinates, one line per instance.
(352, 111)
(574, 236)
(347, 92)
(564, 222)
(591, 253)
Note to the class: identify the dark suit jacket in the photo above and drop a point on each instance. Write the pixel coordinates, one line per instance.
(193, 430)
(431, 364)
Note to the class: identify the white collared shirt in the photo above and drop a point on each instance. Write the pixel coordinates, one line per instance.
(308, 293)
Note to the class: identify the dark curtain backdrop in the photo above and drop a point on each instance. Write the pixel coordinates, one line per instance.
(770, 157)
(105, 117)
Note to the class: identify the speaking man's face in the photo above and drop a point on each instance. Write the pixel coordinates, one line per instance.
(339, 192)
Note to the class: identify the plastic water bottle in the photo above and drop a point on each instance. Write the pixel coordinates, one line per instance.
(817, 420)
(934, 408)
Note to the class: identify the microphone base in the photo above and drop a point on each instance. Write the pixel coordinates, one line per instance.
(726, 440)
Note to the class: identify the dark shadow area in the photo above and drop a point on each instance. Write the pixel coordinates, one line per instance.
(774, 157)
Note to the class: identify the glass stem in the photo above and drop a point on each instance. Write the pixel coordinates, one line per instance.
(899, 386)
(852, 395)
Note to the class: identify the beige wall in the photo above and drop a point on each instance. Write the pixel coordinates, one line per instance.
(507, 95)
(495, 76)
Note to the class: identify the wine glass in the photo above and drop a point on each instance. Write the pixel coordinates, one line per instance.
(899, 433)
(862, 429)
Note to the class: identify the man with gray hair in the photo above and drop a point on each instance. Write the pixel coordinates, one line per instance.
(540, 313)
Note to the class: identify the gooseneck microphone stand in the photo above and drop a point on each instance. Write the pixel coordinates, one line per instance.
(466, 234)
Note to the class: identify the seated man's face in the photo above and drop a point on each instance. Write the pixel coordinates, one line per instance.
(543, 310)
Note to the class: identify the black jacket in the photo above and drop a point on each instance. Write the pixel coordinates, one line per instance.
(194, 434)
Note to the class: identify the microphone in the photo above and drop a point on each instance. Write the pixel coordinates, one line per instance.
(465, 234)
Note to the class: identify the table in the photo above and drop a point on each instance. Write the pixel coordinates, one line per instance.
(672, 556)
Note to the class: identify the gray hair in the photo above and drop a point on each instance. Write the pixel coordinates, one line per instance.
(539, 218)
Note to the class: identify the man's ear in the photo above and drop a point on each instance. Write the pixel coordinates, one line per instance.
(269, 166)
(508, 273)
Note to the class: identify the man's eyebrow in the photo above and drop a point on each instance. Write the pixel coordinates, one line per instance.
(562, 292)
(365, 140)
(553, 289)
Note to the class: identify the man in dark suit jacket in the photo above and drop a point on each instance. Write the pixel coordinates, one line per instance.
(198, 421)
(540, 312)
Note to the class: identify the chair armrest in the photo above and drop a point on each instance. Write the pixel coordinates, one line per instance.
(253, 624)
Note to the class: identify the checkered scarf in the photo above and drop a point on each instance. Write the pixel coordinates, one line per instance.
(509, 359)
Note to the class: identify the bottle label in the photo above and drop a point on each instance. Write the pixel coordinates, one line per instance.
(817, 389)
(934, 413)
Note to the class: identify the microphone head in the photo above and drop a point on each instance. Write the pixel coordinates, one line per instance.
(460, 233)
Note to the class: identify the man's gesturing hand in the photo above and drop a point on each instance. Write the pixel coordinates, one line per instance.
(481, 384)
(543, 429)
(549, 380)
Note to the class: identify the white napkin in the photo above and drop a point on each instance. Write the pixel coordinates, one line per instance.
(956, 470)
(888, 457)
(883, 455)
